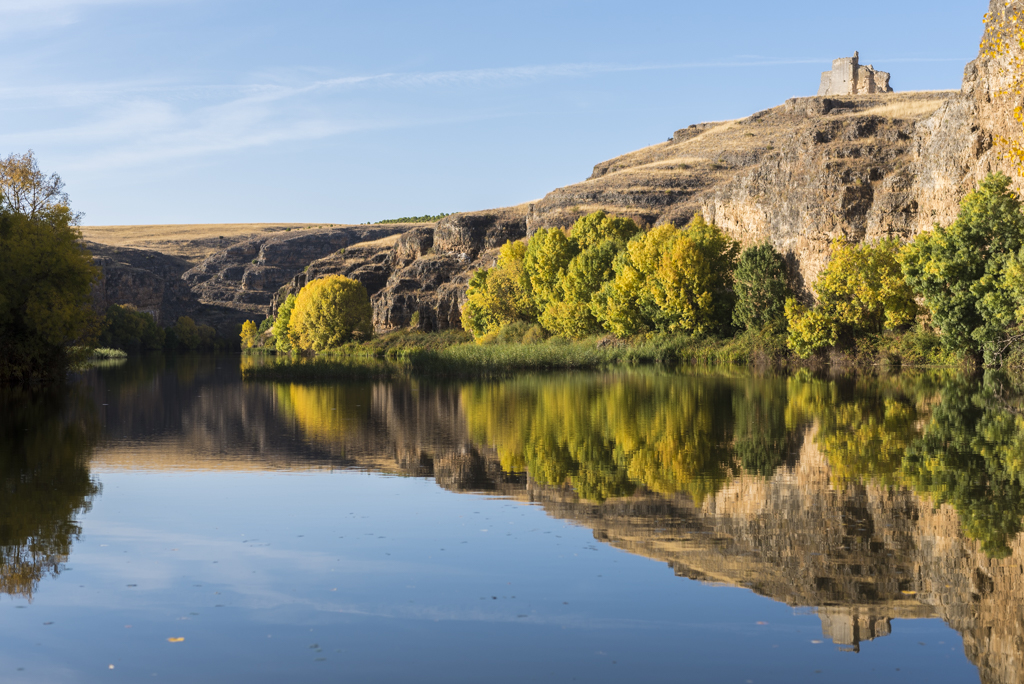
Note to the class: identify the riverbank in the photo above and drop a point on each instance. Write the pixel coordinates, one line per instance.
(454, 354)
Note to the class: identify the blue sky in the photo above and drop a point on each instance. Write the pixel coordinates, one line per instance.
(208, 111)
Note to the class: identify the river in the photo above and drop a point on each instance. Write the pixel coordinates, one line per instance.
(162, 520)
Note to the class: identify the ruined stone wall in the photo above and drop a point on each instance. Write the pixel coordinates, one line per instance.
(849, 77)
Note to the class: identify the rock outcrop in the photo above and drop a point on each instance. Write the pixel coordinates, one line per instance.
(246, 276)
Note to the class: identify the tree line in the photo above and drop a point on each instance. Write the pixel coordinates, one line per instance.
(957, 289)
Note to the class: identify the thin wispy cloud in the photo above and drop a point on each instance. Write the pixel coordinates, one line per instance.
(132, 123)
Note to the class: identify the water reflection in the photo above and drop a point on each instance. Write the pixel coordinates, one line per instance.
(866, 499)
(45, 442)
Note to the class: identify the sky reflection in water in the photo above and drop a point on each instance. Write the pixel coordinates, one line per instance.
(277, 530)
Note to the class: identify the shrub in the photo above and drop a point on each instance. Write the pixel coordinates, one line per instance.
(534, 335)
(862, 290)
(329, 312)
(761, 289)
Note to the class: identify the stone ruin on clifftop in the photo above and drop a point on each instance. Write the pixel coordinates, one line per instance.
(848, 77)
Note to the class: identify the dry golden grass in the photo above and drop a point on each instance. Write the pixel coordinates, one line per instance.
(193, 242)
(375, 244)
(910, 109)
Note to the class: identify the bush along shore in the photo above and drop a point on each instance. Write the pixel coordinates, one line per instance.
(607, 292)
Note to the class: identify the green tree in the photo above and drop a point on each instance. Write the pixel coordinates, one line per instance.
(282, 325)
(594, 242)
(186, 334)
(329, 312)
(125, 327)
(45, 294)
(961, 270)
(761, 288)
(861, 291)
(571, 316)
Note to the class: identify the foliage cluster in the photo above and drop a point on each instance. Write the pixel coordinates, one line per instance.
(862, 291)
(971, 275)
(426, 218)
(45, 276)
(1003, 45)
(327, 313)
(606, 275)
(129, 329)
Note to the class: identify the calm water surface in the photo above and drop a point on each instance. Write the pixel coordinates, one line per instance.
(165, 521)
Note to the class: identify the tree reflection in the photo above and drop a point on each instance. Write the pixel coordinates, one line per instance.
(942, 435)
(606, 435)
(45, 441)
(945, 437)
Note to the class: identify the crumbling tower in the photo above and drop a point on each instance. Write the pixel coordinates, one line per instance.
(848, 77)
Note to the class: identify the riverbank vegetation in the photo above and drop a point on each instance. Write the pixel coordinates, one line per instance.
(606, 292)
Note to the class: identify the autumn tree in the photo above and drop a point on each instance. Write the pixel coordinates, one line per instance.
(282, 325)
(26, 190)
(861, 291)
(671, 280)
(500, 295)
(249, 335)
(330, 312)
(592, 246)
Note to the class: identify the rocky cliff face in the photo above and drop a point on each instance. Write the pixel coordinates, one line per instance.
(421, 274)
(247, 275)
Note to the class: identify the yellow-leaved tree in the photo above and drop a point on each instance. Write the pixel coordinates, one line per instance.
(330, 312)
(250, 335)
(862, 290)
(671, 280)
(500, 295)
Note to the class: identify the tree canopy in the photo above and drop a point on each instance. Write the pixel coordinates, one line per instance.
(329, 312)
(965, 271)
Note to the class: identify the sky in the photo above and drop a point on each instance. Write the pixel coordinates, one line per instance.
(239, 111)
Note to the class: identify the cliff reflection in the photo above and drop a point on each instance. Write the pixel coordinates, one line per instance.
(866, 498)
(45, 443)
